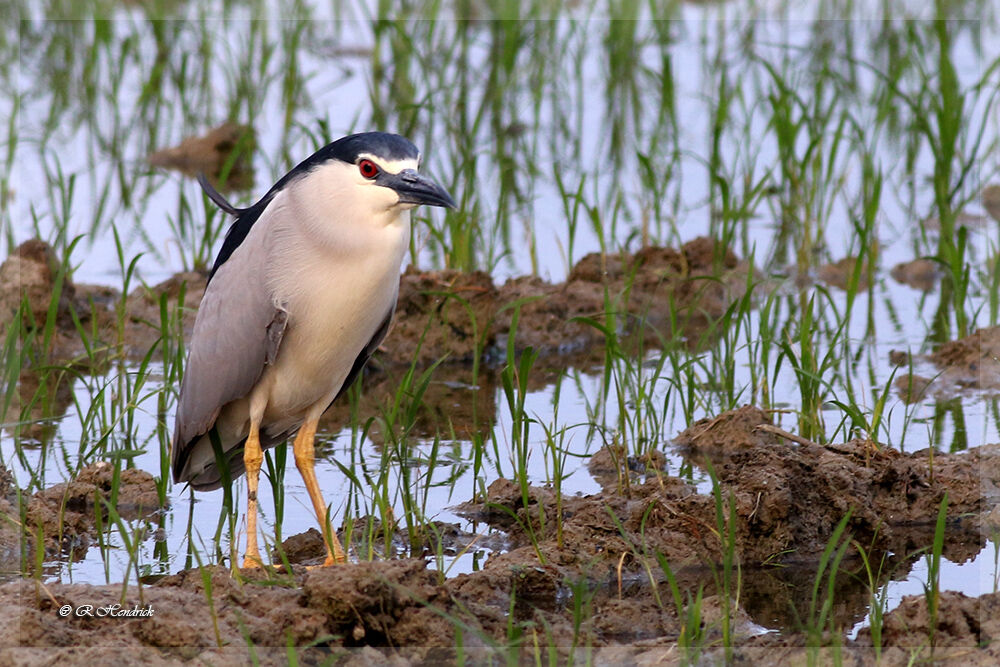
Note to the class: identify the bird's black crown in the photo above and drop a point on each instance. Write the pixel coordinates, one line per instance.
(379, 144)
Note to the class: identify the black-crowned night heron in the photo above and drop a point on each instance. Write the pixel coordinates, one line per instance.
(301, 294)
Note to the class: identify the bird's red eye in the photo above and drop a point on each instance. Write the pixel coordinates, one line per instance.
(368, 169)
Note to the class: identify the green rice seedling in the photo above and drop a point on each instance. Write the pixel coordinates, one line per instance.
(810, 178)
(131, 538)
(691, 638)
(943, 411)
(810, 369)
(227, 511)
(206, 584)
(275, 472)
(556, 453)
(727, 334)
(195, 248)
(398, 421)
(622, 96)
(572, 202)
(642, 555)
(729, 581)
(381, 500)
(820, 614)
(582, 596)
(878, 602)
(720, 115)
(13, 360)
(39, 552)
(932, 588)
(862, 425)
(864, 221)
(514, 382)
(938, 109)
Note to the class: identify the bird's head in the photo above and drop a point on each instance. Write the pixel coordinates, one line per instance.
(373, 174)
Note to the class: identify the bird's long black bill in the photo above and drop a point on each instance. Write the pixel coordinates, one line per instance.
(416, 189)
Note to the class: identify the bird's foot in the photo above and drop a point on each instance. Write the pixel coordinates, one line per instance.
(252, 561)
(330, 560)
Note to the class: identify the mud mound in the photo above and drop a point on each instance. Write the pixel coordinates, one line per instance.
(961, 623)
(398, 612)
(921, 274)
(440, 314)
(226, 148)
(464, 315)
(973, 361)
(840, 273)
(611, 464)
(30, 274)
(731, 431)
(63, 517)
(364, 603)
(788, 498)
(793, 492)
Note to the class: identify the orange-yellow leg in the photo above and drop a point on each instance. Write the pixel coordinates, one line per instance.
(305, 461)
(252, 458)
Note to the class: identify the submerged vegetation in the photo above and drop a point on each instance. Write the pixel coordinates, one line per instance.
(668, 212)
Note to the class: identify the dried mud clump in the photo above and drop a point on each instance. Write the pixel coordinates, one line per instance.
(731, 431)
(594, 580)
(611, 464)
(652, 287)
(364, 603)
(991, 200)
(31, 274)
(457, 316)
(10, 533)
(912, 388)
(970, 363)
(962, 622)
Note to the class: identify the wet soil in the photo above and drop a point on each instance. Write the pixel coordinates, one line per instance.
(577, 570)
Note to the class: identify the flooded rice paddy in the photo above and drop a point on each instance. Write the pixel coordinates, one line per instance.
(705, 365)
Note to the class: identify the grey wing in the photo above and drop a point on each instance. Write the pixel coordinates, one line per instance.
(237, 331)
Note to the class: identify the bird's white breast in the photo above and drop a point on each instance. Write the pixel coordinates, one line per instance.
(337, 280)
